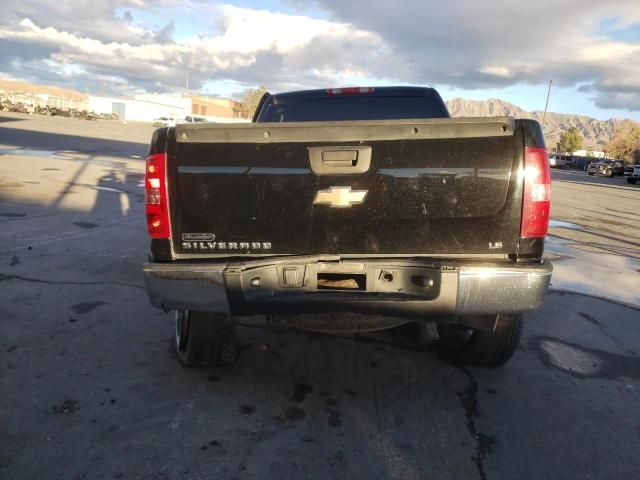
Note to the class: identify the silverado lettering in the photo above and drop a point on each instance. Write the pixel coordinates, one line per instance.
(226, 245)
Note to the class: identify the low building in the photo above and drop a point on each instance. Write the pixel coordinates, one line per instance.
(142, 108)
(217, 107)
(147, 107)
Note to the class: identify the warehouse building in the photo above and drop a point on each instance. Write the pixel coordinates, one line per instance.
(147, 107)
(142, 108)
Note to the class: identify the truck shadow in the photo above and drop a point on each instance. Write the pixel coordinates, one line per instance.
(120, 187)
(116, 189)
(46, 141)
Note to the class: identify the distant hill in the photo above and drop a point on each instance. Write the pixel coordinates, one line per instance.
(596, 133)
(23, 87)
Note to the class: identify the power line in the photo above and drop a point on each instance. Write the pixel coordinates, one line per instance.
(546, 105)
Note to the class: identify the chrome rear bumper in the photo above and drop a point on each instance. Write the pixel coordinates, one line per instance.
(462, 289)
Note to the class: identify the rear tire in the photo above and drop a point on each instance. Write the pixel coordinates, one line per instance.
(609, 173)
(631, 180)
(204, 338)
(479, 347)
(591, 174)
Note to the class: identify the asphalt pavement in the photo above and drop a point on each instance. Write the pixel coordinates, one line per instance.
(91, 389)
(594, 240)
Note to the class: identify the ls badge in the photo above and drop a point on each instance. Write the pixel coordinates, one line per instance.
(340, 197)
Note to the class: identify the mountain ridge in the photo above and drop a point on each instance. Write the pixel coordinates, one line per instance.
(17, 86)
(596, 133)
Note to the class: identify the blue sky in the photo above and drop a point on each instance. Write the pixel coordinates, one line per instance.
(469, 49)
(609, 27)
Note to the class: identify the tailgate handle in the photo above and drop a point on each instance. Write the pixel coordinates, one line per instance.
(339, 160)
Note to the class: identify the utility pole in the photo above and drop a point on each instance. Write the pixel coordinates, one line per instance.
(546, 105)
(187, 81)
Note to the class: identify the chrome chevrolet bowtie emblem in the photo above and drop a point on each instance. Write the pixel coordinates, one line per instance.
(340, 197)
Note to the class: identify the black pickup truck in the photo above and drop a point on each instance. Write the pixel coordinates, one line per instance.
(608, 168)
(368, 201)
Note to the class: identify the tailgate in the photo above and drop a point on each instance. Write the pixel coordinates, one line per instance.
(395, 187)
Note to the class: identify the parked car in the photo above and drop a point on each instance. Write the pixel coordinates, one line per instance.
(383, 206)
(632, 173)
(192, 119)
(164, 122)
(560, 161)
(609, 168)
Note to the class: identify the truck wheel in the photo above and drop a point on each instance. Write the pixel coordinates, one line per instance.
(479, 347)
(591, 174)
(203, 338)
(631, 180)
(609, 173)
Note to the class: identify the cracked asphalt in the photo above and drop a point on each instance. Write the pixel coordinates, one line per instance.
(90, 387)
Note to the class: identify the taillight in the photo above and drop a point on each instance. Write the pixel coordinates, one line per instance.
(536, 201)
(155, 184)
(350, 91)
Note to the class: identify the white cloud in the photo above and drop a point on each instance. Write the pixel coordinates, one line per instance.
(496, 43)
(299, 49)
(247, 31)
(496, 71)
(487, 44)
(98, 19)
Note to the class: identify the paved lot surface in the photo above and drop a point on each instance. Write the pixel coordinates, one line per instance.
(595, 242)
(91, 389)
